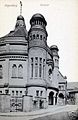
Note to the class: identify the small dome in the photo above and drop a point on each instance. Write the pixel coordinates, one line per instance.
(38, 16)
(20, 22)
(54, 47)
(20, 17)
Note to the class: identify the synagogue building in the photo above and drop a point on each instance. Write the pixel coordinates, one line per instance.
(29, 69)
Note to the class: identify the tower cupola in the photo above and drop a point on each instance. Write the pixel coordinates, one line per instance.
(20, 19)
(20, 22)
(54, 49)
(38, 19)
(37, 33)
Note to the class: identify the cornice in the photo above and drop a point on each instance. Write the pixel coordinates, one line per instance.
(38, 29)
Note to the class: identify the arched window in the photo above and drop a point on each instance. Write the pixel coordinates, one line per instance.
(43, 68)
(36, 66)
(44, 38)
(20, 71)
(1, 73)
(37, 36)
(40, 67)
(34, 36)
(40, 37)
(61, 95)
(31, 67)
(14, 71)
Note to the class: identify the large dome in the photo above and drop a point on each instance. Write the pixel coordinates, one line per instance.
(38, 16)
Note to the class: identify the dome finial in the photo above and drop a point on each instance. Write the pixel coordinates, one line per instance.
(20, 8)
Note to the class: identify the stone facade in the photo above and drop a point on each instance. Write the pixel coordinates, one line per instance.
(29, 68)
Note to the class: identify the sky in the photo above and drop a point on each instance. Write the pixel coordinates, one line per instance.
(62, 27)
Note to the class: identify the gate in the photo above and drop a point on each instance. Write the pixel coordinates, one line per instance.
(16, 104)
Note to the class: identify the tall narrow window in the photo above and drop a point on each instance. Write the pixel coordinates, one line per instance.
(0, 92)
(14, 71)
(43, 68)
(37, 93)
(34, 36)
(16, 93)
(36, 66)
(20, 93)
(1, 73)
(41, 93)
(31, 67)
(40, 67)
(13, 93)
(37, 36)
(40, 37)
(20, 71)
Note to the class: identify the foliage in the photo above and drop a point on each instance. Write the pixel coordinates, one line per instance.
(74, 115)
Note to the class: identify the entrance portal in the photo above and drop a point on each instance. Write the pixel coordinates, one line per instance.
(51, 98)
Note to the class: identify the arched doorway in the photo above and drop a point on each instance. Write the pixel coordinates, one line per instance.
(61, 100)
(51, 98)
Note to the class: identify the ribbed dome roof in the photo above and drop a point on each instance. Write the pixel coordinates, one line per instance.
(38, 16)
(20, 17)
(54, 47)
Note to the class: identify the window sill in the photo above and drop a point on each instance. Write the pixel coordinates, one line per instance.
(13, 77)
(20, 77)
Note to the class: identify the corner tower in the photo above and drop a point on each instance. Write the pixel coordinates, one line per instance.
(37, 55)
(54, 49)
(37, 33)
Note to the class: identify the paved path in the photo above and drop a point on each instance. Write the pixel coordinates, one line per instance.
(38, 113)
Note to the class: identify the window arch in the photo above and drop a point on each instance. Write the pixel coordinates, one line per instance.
(44, 38)
(40, 37)
(20, 71)
(61, 95)
(37, 36)
(1, 71)
(14, 71)
(40, 67)
(32, 67)
(36, 66)
(43, 68)
(34, 36)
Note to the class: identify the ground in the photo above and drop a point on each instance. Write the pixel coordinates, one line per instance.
(52, 113)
